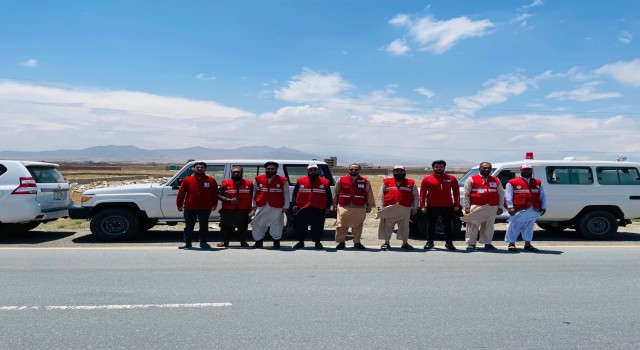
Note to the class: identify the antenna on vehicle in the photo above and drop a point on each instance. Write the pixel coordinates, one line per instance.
(621, 158)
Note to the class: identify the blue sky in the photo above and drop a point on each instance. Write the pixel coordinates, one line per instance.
(372, 81)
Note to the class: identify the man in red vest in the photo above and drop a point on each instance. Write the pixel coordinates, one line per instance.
(270, 203)
(312, 196)
(353, 200)
(439, 196)
(236, 195)
(197, 197)
(526, 201)
(397, 201)
(483, 200)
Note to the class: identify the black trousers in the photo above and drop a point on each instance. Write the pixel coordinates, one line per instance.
(190, 218)
(232, 219)
(309, 217)
(446, 213)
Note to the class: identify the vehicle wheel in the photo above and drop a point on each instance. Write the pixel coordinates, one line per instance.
(115, 224)
(23, 227)
(597, 224)
(549, 227)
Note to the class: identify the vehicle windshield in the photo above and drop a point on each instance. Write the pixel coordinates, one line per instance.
(469, 173)
(45, 174)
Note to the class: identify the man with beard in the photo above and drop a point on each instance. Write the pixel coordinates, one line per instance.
(397, 201)
(439, 196)
(483, 200)
(197, 197)
(353, 200)
(526, 201)
(312, 196)
(270, 203)
(236, 195)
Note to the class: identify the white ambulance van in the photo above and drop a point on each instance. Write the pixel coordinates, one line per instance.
(592, 197)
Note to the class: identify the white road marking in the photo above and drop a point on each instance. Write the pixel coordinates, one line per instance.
(112, 307)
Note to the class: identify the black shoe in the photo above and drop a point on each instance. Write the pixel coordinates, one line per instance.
(184, 246)
(429, 245)
(489, 247)
(244, 244)
(358, 246)
(222, 245)
(340, 246)
(471, 247)
(450, 246)
(276, 244)
(204, 245)
(319, 245)
(407, 246)
(299, 245)
(258, 244)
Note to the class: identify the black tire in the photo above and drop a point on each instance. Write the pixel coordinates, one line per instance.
(114, 224)
(597, 224)
(549, 227)
(23, 227)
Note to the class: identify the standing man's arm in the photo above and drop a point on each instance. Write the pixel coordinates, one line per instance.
(295, 194)
(500, 198)
(508, 198)
(336, 195)
(543, 201)
(254, 206)
(415, 206)
(214, 194)
(287, 198)
(380, 203)
(329, 199)
(456, 192)
(466, 201)
(371, 202)
(424, 189)
(182, 194)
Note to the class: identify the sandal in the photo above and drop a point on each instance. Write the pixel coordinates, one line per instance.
(385, 246)
(531, 248)
(512, 248)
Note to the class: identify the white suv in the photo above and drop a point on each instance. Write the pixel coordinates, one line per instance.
(31, 193)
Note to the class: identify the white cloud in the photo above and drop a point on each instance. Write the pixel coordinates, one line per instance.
(397, 47)
(205, 77)
(522, 19)
(31, 63)
(626, 72)
(424, 92)
(625, 37)
(496, 91)
(585, 93)
(312, 86)
(535, 3)
(432, 35)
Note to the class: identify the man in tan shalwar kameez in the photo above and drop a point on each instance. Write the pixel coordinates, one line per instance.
(353, 200)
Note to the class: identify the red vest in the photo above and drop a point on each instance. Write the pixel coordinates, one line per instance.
(402, 194)
(526, 194)
(271, 193)
(314, 196)
(242, 192)
(484, 193)
(353, 193)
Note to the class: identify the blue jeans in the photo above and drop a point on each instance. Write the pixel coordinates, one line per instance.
(190, 217)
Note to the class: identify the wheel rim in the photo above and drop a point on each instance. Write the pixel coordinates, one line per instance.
(599, 226)
(115, 225)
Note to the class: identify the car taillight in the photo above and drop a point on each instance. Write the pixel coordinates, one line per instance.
(27, 186)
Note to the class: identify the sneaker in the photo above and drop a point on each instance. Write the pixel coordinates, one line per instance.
(407, 246)
(299, 245)
(257, 244)
(204, 245)
(490, 247)
(471, 247)
(450, 246)
(319, 245)
(184, 246)
(276, 244)
(244, 244)
(340, 246)
(429, 245)
(358, 246)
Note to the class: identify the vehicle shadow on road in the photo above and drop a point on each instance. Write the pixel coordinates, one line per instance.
(35, 237)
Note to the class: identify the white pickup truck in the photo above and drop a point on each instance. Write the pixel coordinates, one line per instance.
(593, 197)
(121, 212)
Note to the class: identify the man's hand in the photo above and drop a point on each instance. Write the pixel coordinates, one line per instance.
(455, 208)
(414, 211)
(511, 211)
(424, 210)
(327, 210)
(467, 210)
(179, 208)
(500, 210)
(368, 210)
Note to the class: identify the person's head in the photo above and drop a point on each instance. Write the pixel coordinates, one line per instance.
(354, 169)
(399, 172)
(526, 171)
(312, 170)
(485, 169)
(438, 166)
(236, 173)
(270, 168)
(199, 167)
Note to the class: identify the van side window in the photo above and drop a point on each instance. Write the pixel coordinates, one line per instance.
(569, 175)
(505, 176)
(217, 171)
(249, 171)
(3, 169)
(618, 176)
(295, 171)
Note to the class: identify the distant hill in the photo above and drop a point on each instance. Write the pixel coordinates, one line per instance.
(135, 154)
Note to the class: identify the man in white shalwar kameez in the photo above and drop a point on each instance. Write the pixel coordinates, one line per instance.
(270, 203)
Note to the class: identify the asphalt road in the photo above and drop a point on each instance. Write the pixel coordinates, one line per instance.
(158, 297)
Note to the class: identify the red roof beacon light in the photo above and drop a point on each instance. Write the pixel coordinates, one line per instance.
(528, 155)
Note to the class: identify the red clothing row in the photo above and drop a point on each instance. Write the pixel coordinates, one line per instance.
(439, 190)
(198, 192)
(526, 194)
(242, 191)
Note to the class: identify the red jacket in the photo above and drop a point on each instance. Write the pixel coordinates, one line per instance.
(484, 193)
(198, 192)
(395, 193)
(439, 191)
(243, 192)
